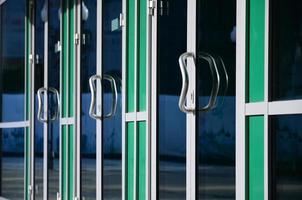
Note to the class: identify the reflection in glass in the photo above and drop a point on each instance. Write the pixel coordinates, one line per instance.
(12, 47)
(286, 154)
(216, 26)
(112, 127)
(39, 78)
(54, 82)
(88, 125)
(286, 49)
(172, 31)
(12, 163)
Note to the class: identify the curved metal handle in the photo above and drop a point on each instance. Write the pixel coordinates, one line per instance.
(114, 95)
(57, 113)
(216, 81)
(40, 112)
(185, 82)
(93, 97)
(92, 108)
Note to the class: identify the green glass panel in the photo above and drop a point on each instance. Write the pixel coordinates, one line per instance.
(142, 161)
(130, 96)
(65, 49)
(71, 58)
(64, 162)
(256, 50)
(70, 168)
(256, 158)
(130, 160)
(142, 59)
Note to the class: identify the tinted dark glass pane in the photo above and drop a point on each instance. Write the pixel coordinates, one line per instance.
(12, 163)
(39, 82)
(216, 39)
(112, 127)
(172, 42)
(12, 51)
(53, 82)
(286, 49)
(88, 125)
(286, 154)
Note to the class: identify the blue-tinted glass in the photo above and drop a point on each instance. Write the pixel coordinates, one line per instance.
(172, 42)
(285, 49)
(112, 127)
(53, 82)
(88, 125)
(216, 39)
(286, 156)
(39, 82)
(12, 163)
(12, 51)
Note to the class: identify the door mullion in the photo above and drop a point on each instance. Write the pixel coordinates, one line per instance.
(191, 155)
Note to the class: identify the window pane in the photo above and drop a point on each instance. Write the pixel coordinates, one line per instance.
(12, 163)
(286, 49)
(12, 34)
(286, 152)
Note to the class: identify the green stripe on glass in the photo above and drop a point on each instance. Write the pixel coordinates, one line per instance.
(256, 50)
(256, 158)
(142, 58)
(130, 52)
(130, 162)
(141, 186)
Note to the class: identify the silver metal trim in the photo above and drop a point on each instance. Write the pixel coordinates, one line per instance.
(153, 104)
(17, 124)
(240, 99)
(67, 121)
(2, 2)
(191, 159)
(124, 49)
(99, 137)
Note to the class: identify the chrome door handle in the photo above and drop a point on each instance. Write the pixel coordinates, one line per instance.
(185, 82)
(114, 95)
(92, 107)
(92, 79)
(57, 113)
(216, 81)
(40, 113)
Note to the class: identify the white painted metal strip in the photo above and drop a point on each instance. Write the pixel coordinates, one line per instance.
(21, 124)
(129, 117)
(240, 99)
(67, 121)
(285, 107)
(255, 108)
(141, 116)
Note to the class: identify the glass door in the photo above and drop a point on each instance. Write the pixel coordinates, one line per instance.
(12, 99)
(208, 70)
(46, 103)
(101, 100)
(215, 58)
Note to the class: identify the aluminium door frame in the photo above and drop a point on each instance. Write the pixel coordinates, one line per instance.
(99, 123)
(240, 104)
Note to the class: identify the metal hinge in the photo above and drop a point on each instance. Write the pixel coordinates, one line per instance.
(58, 196)
(58, 47)
(151, 7)
(31, 59)
(77, 39)
(30, 189)
(122, 20)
